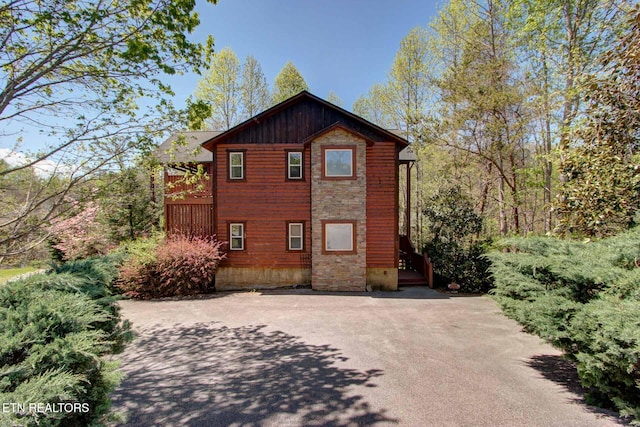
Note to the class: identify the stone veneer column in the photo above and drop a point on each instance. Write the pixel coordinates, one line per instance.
(339, 200)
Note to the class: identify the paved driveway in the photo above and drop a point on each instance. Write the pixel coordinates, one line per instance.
(301, 358)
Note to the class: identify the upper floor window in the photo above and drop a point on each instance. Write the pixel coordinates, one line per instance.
(236, 165)
(294, 165)
(338, 162)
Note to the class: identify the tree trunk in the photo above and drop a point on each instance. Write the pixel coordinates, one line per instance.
(504, 228)
(515, 195)
(484, 193)
(547, 147)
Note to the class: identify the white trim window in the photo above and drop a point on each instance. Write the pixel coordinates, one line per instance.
(294, 165)
(296, 236)
(338, 237)
(338, 162)
(236, 236)
(236, 165)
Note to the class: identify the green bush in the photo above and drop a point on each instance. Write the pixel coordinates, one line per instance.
(457, 254)
(56, 330)
(178, 266)
(583, 297)
(606, 338)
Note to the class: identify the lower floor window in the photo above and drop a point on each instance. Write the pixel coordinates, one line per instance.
(339, 236)
(236, 236)
(296, 235)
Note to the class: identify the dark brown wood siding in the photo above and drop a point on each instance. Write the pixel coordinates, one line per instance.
(382, 205)
(265, 201)
(297, 122)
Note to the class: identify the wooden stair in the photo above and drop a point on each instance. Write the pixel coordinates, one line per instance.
(416, 268)
(411, 278)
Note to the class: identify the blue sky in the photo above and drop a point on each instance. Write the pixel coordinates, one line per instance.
(340, 45)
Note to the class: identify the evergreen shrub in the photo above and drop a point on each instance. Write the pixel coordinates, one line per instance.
(583, 297)
(56, 330)
(177, 266)
(458, 256)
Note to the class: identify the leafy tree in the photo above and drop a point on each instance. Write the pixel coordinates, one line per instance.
(254, 89)
(80, 236)
(126, 206)
(457, 255)
(560, 41)
(374, 106)
(19, 191)
(76, 72)
(408, 85)
(334, 99)
(400, 104)
(220, 88)
(493, 98)
(602, 192)
(482, 102)
(288, 82)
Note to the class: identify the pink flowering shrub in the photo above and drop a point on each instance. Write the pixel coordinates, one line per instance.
(179, 266)
(80, 236)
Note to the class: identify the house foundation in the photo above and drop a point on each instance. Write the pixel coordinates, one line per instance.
(237, 278)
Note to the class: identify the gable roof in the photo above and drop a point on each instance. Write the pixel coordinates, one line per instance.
(336, 125)
(298, 118)
(170, 152)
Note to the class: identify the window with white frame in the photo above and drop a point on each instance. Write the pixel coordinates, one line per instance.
(294, 165)
(338, 162)
(236, 165)
(296, 236)
(339, 237)
(236, 236)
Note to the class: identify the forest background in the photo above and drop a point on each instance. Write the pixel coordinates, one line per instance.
(522, 110)
(524, 116)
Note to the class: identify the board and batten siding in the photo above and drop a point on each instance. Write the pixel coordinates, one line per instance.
(298, 121)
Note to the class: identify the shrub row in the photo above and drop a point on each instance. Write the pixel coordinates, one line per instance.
(583, 297)
(176, 266)
(56, 330)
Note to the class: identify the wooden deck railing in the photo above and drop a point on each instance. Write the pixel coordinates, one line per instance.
(175, 186)
(189, 218)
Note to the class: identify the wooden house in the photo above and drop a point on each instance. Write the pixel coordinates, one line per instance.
(305, 193)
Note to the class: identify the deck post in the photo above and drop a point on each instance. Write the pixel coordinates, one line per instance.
(408, 207)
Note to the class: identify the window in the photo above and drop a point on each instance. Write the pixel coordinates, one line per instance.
(338, 162)
(236, 236)
(296, 236)
(236, 165)
(174, 172)
(294, 165)
(339, 237)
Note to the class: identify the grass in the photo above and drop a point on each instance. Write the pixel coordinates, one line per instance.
(13, 272)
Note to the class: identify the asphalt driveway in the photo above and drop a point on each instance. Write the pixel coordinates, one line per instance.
(303, 358)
